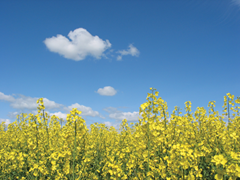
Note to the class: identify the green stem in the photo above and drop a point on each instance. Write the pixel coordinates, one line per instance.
(228, 113)
(37, 142)
(74, 150)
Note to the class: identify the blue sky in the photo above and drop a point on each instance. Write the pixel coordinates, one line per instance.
(103, 56)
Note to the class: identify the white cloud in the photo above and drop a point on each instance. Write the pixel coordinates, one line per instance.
(115, 125)
(60, 115)
(30, 105)
(236, 2)
(7, 121)
(13, 115)
(107, 91)
(119, 58)
(131, 51)
(119, 115)
(8, 98)
(111, 110)
(86, 111)
(25, 102)
(81, 45)
(129, 116)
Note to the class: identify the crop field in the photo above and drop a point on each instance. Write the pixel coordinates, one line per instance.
(186, 147)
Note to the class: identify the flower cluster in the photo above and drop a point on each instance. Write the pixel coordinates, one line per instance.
(184, 147)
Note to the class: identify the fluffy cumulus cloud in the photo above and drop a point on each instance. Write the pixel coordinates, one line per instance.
(25, 102)
(133, 51)
(107, 91)
(59, 114)
(80, 45)
(86, 111)
(7, 121)
(111, 124)
(8, 98)
(117, 115)
(129, 116)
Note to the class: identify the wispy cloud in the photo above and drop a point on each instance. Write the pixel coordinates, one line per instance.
(114, 113)
(29, 104)
(236, 2)
(86, 111)
(107, 91)
(129, 116)
(131, 51)
(23, 103)
(81, 45)
(8, 98)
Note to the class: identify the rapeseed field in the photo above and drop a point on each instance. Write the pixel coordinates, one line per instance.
(184, 148)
